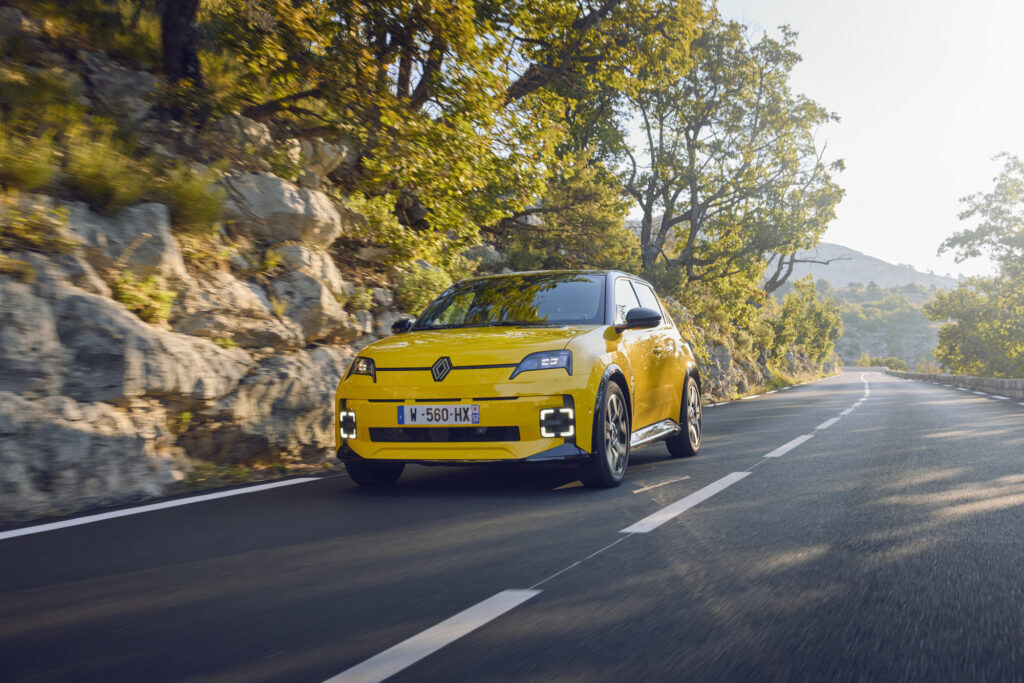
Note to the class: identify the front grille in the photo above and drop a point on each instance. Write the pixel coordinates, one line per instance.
(443, 434)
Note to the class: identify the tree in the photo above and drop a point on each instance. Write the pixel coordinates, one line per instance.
(180, 40)
(984, 334)
(730, 157)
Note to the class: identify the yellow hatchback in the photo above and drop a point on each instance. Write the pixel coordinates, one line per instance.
(530, 367)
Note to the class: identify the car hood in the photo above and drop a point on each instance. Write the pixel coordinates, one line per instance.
(469, 346)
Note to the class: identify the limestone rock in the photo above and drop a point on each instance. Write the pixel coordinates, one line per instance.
(242, 135)
(273, 210)
(232, 309)
(117, 90)
(59, 455)
(113, 355)
(484, 254)
(372, 254)
(283, 410)
(31, 354)
(383, 298)
(105, 240)
(315, 262)
(320, 157)
(13, 22)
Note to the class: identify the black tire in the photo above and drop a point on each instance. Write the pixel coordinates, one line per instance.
(606, 466)
(686, 443)
(374, 473)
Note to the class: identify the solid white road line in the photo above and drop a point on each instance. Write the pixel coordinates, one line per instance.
(827, 423)
(667, 513)
(785, 389)
(848, 410)
(408, 652)
(786, 448)
(38, 529)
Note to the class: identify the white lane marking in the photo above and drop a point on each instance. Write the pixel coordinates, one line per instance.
(747, 398)
(52, 526)
(827, 423)
(667, 513)
(979, 393)
(785, 388)
(1022, 403)
(961, 389)
(786, 448)
(663, 483)
(1002, 398)
(773, 391)
(848, 411)
(408, 652)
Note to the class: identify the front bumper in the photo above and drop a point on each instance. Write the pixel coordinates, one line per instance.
(379, 437)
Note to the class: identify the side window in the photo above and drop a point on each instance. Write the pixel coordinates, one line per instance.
(625, 299)
(647, 297)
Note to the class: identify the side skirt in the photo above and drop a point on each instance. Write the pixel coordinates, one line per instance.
(658, 430)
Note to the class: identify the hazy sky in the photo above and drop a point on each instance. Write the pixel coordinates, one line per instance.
(928, 92)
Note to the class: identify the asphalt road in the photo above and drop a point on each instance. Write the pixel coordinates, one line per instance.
(888, 545)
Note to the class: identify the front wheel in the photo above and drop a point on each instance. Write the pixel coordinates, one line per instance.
(374, 473)
(606, 466)
(687, 442)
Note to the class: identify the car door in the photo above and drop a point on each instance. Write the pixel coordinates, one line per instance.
(666, 366)
(638, 346)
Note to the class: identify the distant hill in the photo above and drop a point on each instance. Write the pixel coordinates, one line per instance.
(858, 267)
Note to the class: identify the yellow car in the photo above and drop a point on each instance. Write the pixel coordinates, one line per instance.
(535, 367)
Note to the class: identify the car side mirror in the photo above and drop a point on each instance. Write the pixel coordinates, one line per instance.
(402, 325)
(640, 318)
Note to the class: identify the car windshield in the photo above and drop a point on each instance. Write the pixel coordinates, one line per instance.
(519, 300)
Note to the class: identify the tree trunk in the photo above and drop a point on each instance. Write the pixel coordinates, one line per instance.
(180, 40)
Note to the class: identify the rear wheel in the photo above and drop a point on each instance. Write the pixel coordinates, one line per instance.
(606, 467)
(374, 473)
(687, 442)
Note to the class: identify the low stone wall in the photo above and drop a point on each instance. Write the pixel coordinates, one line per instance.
(1014, 388)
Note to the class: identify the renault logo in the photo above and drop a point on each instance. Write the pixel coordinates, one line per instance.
(441, 367)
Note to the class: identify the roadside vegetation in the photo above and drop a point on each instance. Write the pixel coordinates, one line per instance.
(983, 330)
(512, 123)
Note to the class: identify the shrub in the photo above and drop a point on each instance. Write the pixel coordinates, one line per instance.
(361, 299)
(144, 298)
(26, 164)
(103, 174)
(225, 342)
(420, 285)
(20, 269)
(34, 229)
(194, 198)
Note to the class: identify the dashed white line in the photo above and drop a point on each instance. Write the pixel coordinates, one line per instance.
(408, 652)
(52, 526)
(827, 423)
(786, 448)
(1002, 398)
(848, 410)
(667, 513)
(979, 393)
(961, 389)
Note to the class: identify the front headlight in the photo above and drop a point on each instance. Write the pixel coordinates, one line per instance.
(363, 366)
(545, 360)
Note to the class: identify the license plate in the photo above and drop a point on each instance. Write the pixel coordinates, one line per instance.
(439, 415)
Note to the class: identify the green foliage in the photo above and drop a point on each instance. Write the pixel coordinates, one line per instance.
(194, 198)
(18, 268)
(891, 362)
(183, 421)
(26, 164)
(985, 332)
(101, 172)
(418, 286)
(361, 299)
(32, 228)
(579, 223)
(145, 298)
(733, 167)
(808, 322)
(225, 342)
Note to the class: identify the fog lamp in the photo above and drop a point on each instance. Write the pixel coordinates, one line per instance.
(347, 424)
(555, 422)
